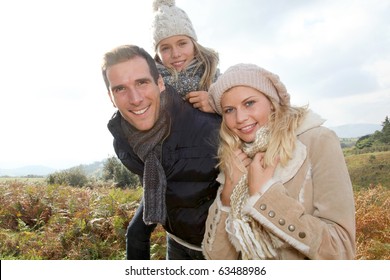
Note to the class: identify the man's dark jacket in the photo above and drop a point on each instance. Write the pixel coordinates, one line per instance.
(189, 161)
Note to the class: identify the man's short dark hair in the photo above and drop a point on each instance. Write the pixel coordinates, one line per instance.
(124, 53)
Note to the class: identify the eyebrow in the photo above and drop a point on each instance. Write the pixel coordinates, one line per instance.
(178, 41)
(249, 97)
(146, 79)
(242, 101)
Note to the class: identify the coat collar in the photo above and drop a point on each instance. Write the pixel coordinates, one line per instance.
(284, 174)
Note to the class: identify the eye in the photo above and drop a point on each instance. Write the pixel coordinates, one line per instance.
(249, 103)
(118, 89)
(164, 49)
(142, 83)
(228, 110)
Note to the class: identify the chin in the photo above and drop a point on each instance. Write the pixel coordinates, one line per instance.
(248, 138)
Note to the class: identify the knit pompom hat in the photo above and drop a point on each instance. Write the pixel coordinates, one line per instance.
(169, 20)
(252, 76)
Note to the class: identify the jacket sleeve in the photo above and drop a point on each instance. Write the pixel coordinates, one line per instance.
(327, 231)
(216, 244)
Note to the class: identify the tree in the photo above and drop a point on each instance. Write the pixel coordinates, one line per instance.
(114, 170)
(110, 165)
(364, 142)
(386, 131)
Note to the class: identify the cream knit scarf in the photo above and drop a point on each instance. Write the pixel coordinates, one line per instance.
(247, 235)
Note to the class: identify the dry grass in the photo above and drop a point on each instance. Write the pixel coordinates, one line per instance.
(62, 222)
(39, 221)
(373, 223)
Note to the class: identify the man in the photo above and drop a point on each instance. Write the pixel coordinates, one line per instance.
(170, 145)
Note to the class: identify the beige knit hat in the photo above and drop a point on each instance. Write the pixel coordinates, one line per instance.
(248, 75)
(169, 20)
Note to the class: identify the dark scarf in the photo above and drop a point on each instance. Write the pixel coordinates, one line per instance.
(148, 146)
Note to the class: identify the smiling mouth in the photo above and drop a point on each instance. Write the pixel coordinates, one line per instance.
(140, 112)
(247, 128)
(178, 64)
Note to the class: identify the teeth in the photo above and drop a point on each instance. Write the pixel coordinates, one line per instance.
(249, 127)
(178, 63)
(140, 112)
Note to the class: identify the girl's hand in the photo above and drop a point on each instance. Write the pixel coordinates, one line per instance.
(238, 168)
(258, 175)
(200, 100)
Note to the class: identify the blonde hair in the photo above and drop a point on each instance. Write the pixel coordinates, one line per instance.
(282, 122)
(206, 58)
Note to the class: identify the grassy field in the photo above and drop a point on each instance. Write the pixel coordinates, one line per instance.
(52, 222)
(9, 180)
(368, 170)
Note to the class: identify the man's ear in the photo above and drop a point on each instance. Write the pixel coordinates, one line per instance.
(160, 83)
(112, 101)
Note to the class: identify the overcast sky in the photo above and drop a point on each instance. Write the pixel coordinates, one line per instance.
(333, 55)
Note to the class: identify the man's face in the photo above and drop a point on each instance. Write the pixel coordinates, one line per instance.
(133, 91)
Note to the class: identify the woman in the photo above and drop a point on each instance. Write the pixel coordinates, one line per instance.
(285, 189)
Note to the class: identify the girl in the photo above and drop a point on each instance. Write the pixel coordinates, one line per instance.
(182, 62)
(285, 189)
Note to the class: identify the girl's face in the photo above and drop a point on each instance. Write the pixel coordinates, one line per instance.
(245, 110)
(176, 52)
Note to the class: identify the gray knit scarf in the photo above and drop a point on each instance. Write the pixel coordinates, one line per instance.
(148, 146)
(184, 81)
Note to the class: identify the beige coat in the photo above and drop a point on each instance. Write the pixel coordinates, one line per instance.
(309, 204)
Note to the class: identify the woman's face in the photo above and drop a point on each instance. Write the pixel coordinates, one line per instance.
(245, 110)
(176, 52)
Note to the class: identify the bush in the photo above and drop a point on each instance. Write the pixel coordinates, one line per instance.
(74, 176)
(114, 170)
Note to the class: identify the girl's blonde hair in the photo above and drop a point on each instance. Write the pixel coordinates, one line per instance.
(282, 122)
(206, 58)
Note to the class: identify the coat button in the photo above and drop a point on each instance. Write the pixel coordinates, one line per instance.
(302, 235)
(263, 207)
(282, 222)
(271, 214)
(291, 228)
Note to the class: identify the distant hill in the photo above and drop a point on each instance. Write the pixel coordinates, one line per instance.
(93, 169)
(355, 130)
(37, 170)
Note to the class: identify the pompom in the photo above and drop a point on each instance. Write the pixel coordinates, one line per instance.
(158, 3)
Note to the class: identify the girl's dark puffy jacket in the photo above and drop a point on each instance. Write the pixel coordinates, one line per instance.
(189, 160)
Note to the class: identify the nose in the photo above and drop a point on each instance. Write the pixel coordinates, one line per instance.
(241, 116)
(135, 97)
(175, 52)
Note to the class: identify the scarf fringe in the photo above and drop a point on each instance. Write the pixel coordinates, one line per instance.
(252, 240)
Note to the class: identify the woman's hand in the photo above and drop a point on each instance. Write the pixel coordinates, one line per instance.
(258, 175)
(238, 168)
(200, 100)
